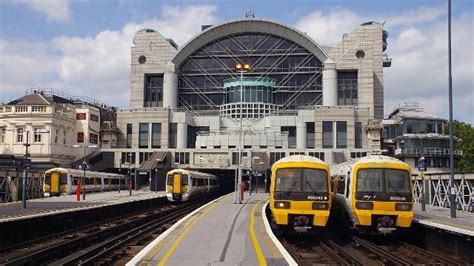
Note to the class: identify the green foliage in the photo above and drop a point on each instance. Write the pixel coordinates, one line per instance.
(465, 133)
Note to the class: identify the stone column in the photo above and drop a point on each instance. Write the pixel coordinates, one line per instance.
(181, 139)
(170, 90)
(301, 136)
(329, 83)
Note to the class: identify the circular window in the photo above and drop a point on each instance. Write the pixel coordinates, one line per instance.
(141, 59)
(360, 54)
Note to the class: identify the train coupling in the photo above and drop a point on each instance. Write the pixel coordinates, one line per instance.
(301, 224)
(385, 225)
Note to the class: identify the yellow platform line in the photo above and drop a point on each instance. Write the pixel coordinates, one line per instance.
(258, 250)
(173, 247)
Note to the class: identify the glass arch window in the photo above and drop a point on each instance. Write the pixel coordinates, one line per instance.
(297, 72)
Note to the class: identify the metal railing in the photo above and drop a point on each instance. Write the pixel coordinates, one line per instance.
(437, 187)
(426, 152)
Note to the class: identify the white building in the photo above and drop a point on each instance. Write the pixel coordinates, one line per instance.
(52, 124)
(298, 97)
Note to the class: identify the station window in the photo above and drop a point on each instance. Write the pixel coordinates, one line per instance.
(173, 136)
(37, 135)
(81, 116)
(181, 158)
(143, 135)
(319, 155)
(275, 156)
(94, 138)
(358, 135)
(80, 137)
(2, 134)
(129, 135)
(19, 134)
(310, 135)
(347, 88)
(341, 136)
(327, 134)
(94, 118)
(156, 135)
(153, 91)
(291, 136)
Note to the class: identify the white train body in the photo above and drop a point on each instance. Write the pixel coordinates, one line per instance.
(181, 185)
(64, 181)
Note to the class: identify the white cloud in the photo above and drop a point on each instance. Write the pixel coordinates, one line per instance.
(96, 66)
(328, 28)
(419, 69)
(55, 10)
(421, 14)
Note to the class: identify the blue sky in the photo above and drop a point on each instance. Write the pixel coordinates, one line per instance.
(82, 47)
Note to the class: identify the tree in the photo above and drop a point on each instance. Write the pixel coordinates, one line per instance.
(465, 133)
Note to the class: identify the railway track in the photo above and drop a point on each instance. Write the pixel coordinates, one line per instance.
(103, 244)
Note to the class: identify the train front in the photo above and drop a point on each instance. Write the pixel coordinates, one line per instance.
(383, 198)
(177, 186)
(299, 197)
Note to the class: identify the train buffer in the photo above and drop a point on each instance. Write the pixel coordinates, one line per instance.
(220, 232)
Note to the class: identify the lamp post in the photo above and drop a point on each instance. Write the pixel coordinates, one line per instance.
(25, 164)
(422, 169)
(241, 68)
(452, 192)
(84, 166)
(130, 174)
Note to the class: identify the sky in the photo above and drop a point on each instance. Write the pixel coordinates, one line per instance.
(82, 47)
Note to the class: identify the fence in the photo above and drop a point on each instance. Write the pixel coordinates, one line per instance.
(11, 185)
(437, 187)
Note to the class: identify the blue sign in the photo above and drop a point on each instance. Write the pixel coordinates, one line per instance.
(422, 166)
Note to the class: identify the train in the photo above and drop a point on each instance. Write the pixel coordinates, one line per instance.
(59, 181)
(374, 193)
(183, 185)
(300, 188)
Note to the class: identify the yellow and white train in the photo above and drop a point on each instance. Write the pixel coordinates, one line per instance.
(300, 197)
(375, 192)
(59, 181)
(181, 185)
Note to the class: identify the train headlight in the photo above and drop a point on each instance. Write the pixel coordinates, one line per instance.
(403, 206)
(320, 206)
(282, 204)
(364, 205)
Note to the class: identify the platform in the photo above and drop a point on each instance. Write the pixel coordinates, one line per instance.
(67, 203)
(438, 217)
(219, 233)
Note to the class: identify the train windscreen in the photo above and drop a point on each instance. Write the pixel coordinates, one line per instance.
(301, 180)
(383, 180)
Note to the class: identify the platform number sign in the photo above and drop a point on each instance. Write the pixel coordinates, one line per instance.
(422, 166)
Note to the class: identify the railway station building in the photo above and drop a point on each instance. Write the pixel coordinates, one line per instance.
(298, 97)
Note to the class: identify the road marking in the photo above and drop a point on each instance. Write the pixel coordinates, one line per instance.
(185, 232)
(258, 250)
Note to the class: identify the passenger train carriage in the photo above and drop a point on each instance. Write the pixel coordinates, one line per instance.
(375, 192)
(181, 185)
(299, 193)
(64, 181)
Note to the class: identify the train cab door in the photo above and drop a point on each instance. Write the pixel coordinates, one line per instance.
(54, 187)
(176, 186)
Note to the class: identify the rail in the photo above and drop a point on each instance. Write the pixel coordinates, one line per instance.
(430, 152)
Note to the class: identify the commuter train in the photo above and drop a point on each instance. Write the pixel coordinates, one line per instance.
(182, 185)
(300, 197)
(375, 193)
(64, 181)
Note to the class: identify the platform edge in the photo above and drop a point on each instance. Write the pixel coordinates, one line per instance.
(137, 258)
(289, 259)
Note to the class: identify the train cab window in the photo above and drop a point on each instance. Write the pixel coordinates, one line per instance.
(314, 180)
(184, 180)
(288, 179)
(397, 180)
(47, 178)
(169, 180)
(370, 180)
(63, 178)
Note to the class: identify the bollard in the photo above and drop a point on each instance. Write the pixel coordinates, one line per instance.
(78, 190)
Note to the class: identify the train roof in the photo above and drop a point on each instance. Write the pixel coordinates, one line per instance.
(343, 167)
(379, 159)
(300, 158)
(73, 170)
(191, 172)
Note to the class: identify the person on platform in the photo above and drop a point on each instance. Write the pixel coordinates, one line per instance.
(242, 190)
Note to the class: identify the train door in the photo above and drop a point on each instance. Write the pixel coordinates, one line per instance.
(176, 183)
(54, 187)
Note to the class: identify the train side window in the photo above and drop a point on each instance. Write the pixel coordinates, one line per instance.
(169, 181)
(184, 180)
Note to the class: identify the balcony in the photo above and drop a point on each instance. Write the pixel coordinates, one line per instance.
(429, 152)
(387, 61)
